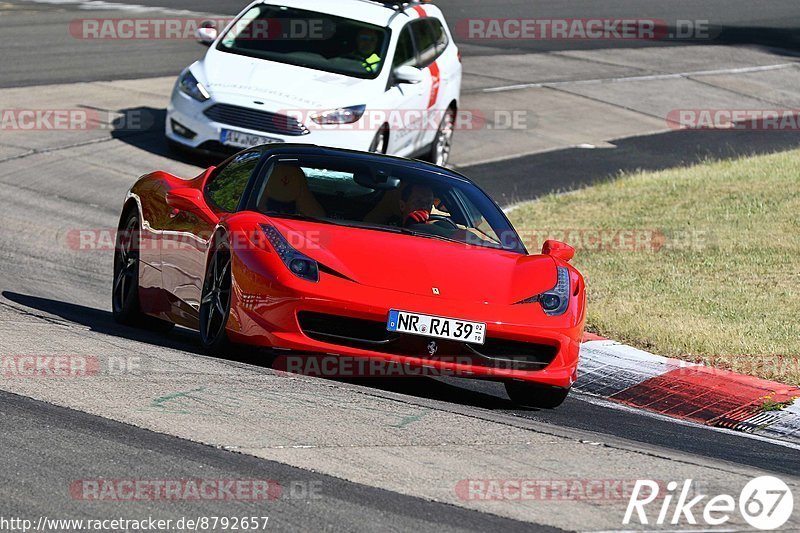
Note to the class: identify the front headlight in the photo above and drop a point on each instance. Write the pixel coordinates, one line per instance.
(300, 265)
(555, 301)
(343, 115)
(188, 84)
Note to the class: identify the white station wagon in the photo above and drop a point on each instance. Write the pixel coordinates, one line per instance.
(359, 74)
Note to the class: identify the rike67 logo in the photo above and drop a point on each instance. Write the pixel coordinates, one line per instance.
(765, 503)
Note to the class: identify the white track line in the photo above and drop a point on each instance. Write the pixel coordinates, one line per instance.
(653, 77)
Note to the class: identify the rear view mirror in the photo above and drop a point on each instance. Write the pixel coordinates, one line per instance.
(408, 74)
(388, 185)
(384, 181)
(558, 249)
(381, 180)
(206, 33)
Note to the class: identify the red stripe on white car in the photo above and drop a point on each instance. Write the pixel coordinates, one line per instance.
(435, 83)
(420, 11)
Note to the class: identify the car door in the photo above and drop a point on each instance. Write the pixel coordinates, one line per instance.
(186, 236)
(404, 103)
(430, 40)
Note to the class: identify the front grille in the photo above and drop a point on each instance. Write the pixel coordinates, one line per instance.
(253, 119)
(341, 330)
(372, 335)
(515, 352)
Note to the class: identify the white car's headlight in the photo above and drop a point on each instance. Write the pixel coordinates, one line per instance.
(188, 84)
(343, 115)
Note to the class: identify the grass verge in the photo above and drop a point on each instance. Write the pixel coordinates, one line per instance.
(700, 263)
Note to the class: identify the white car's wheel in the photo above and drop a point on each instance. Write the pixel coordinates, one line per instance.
(381, 141)
(443, 142)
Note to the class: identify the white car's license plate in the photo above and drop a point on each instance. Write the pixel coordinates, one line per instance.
(244, 140)
(436, 326)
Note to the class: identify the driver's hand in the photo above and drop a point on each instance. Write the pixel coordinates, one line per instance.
(420, 216)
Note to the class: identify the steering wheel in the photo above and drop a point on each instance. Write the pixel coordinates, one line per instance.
(442, 218)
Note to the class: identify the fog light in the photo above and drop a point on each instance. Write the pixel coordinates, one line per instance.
(182, 130)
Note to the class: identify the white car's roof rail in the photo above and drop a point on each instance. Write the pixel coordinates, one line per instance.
(398, 5)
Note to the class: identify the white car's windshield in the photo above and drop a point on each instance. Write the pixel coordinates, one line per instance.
(309, 39)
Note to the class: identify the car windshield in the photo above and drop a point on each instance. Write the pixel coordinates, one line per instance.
(308, 39)
(384, 196)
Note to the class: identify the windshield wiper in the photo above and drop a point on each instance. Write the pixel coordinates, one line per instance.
(305, 218)
(376, 227)
(403, 231)
(341, 223)
(407, 231)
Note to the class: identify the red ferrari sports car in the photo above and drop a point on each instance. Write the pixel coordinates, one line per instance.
(314, 250)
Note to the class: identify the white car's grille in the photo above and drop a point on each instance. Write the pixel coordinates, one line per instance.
(253, 119)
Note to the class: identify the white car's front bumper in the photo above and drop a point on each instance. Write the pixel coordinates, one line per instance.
(187, 113)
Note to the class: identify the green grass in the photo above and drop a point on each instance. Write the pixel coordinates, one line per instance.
(716, 277)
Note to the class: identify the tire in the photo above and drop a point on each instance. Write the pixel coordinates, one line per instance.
(381, 141)
(534, 395)
(215, 304)
(443, 142)
(125, 305)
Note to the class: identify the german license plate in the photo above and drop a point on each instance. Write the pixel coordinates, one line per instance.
(240, 139)
(436, 326)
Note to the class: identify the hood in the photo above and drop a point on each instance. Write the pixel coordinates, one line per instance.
(416, 264)
(278, 85)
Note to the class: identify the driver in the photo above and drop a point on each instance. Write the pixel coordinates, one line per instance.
(367, 44)
(416, 203)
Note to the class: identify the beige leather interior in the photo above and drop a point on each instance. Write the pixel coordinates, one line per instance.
(387, 208)
(287, 184)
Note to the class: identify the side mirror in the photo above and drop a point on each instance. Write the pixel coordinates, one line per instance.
(408, 74)
(191, 200)
(558, 249)
(206, 34)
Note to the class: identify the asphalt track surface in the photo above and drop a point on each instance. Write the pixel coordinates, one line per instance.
(45, 444)
(39, 50)
(56, 444)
